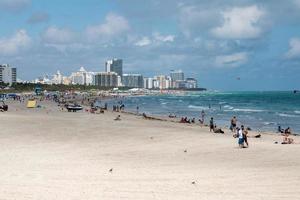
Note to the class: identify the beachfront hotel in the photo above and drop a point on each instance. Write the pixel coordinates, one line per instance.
(114, 65)
(8, 74)
(82, 77)
(133, 80)
(106, 79)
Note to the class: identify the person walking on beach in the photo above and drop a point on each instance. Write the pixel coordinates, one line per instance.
(240, 137)
(211, 124)
(245, 135)
(233, 123)
(202, 116)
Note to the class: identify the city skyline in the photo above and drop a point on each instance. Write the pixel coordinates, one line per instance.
(113, 76)
(230, 45)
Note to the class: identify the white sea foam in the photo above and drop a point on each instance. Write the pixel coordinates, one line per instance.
(163, 103)
(198, 107)
(270, 123)
(297, 111)
(247, 110)
(228, 107)
(286, 115)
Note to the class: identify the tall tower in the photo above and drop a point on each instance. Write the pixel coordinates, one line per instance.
(115, 65)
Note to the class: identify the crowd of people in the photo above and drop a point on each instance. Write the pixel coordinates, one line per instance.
(241, 133)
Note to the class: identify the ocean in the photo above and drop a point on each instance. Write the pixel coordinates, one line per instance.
(262, 111)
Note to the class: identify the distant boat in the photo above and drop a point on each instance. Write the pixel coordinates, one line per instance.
(295, 91)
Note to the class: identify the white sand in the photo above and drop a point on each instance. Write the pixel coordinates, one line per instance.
(60, 155)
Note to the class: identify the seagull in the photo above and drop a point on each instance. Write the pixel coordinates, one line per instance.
(111, 170)
(193, 182)
(185, 151)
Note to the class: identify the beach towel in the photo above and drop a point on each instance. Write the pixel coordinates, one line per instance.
(31, 104)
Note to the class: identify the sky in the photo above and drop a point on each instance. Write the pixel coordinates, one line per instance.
(225, 44)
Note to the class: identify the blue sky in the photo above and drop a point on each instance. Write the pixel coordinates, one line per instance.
(215, 41)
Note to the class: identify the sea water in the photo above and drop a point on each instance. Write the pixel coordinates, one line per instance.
(263, 111)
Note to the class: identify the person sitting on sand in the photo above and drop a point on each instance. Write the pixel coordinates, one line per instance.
(218, 130)
(146, 117)
(182, 120)
(211, 124)
(287, 140)
(186, 120)
(118, 118)
(193, 120)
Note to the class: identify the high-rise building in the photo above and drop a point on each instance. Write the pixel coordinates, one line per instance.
(106, 79)
(115, 65)
(8, 74)
(177, 75)
(133, 80)
(163, 82)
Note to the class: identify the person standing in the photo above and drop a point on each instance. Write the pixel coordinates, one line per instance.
(240, 137)
(202, 116)
(211, 124)
(245, 135)
(233, 123)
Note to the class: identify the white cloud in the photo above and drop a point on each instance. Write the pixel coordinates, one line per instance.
(114, 25)
(156, 38)
(232, 60)
(240, 23)
(14, 5)
(145, 41)
(163, 38)
(194, 19)
(10, 46)
(294, 51)
(54, 35)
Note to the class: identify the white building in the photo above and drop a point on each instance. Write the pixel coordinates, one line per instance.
(163, 82)
(8, 74)
(191, 83)
(82, 77)
(57, 78)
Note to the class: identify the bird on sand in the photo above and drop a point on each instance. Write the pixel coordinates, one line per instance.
(111, 170)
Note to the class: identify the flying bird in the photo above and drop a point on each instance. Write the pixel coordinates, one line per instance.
(111, 170)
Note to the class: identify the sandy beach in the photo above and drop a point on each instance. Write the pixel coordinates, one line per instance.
(50, 154)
